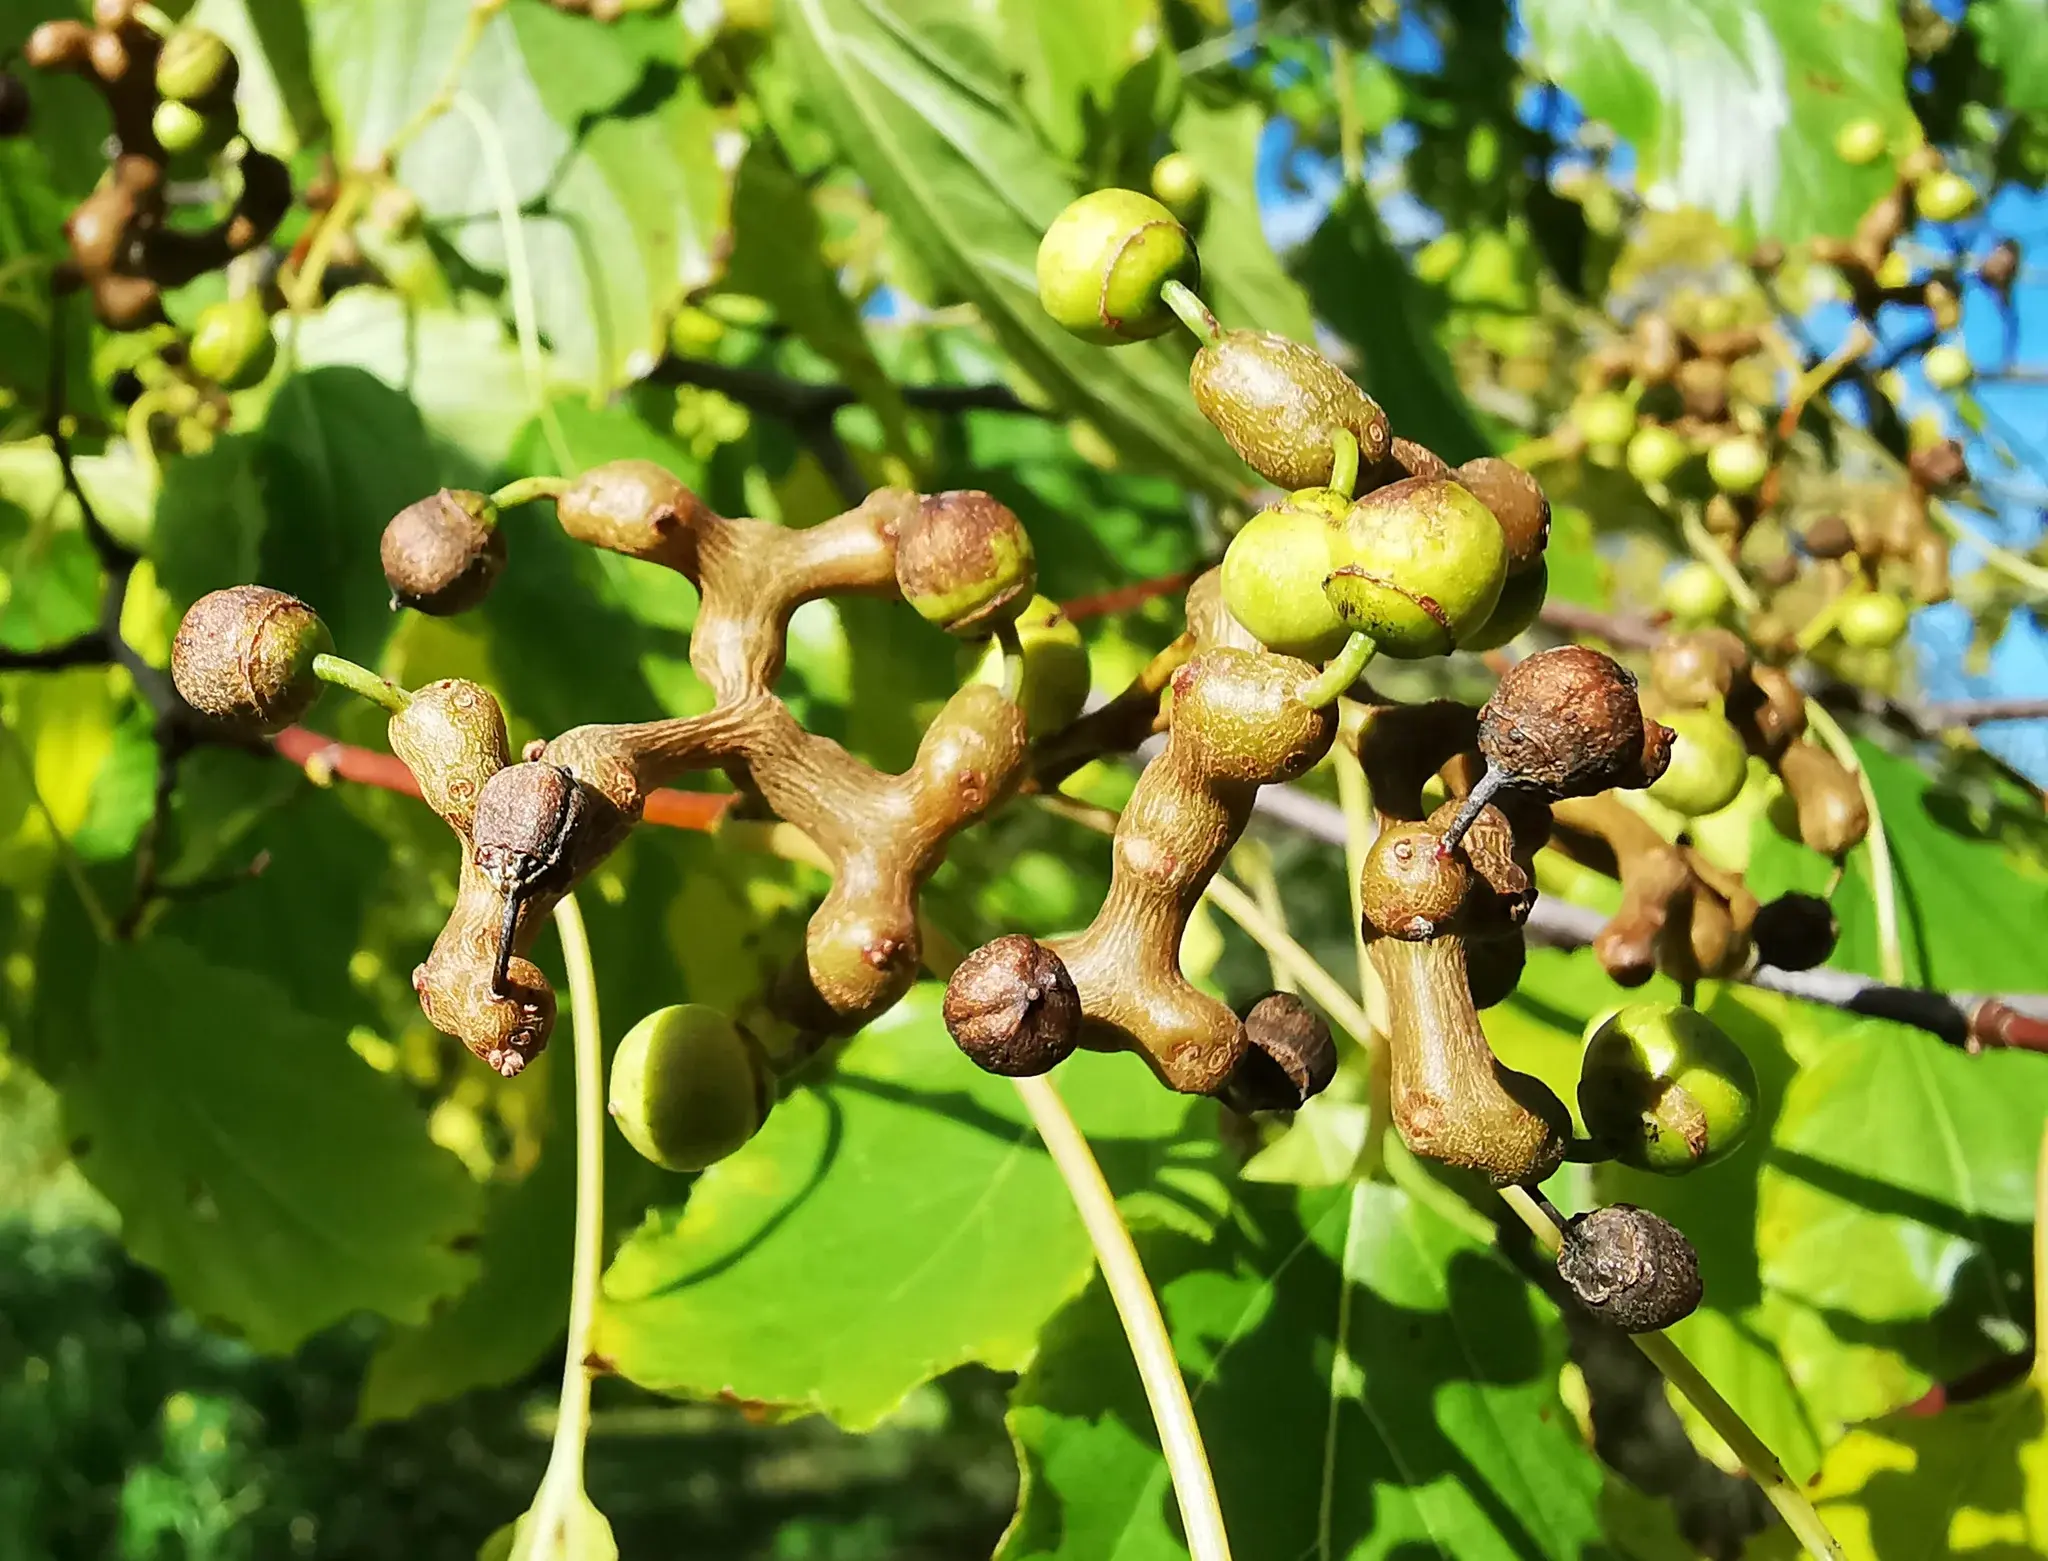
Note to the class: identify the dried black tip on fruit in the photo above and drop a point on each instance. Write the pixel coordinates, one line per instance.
(1795, 932)
(1012, 1008)
(1630, 1267)
(1290, 1061)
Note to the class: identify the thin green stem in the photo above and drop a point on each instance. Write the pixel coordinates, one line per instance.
(1252, 861)
(1339, 672)
(1194, 314)
(479, 18)
(518, 273)
(2004, 560)
(526, 489)
(1354, 796)
(1343, 461)
(562, 1485)
(2039, 1374)
(1013, 660)
(1708, 551)
(1681, 1373)
(1350, 127)
(343, 673)
(1822, 623)
(1891, 959)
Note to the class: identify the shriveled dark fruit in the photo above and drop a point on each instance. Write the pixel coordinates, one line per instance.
(1290, 1061)
(1277, 402)
(1568, 722)
(1520, 605)
(1273, 576)
(443, 554)
(1828, 536)
(1240, 712)
(1517, 502)
(964, 561)
(1795, 932)
(1103, 261)
(1012, 1008)
(1488, 846)
(1938, 466)
(1493, 966)
(2001, 268)
(1410, 887)
(524, 834)
(689, 1087)
(14, 105)
(245, 655)
(1418, 565)
(1664, 1087)
(1630, 1267)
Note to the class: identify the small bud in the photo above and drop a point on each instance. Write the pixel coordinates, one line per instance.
(1410, 887)
(1606, 420)
(1947, 366)
(1291, 1058)
(1517, 502)
(689, 1087)
(964, 561)
(1012, 1008)
(231, 343)
(14, 105)
(1656, 452)
(183, 130)
(1177, 181)
(1103, 261)
(196, 66)
(1568, 722)
(1739, 465)
(443, 554)
(1694, 593)
(1860, 141)
(1630, 1268)
(245, 655)
(1873, 620)
(1795, 932)
(1945, 197)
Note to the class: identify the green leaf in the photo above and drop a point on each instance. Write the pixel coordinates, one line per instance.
(1733, 105)
(1364, 291)
(1370, 1380)
(621, 188)
(2012, 37)
(918, 96)
(275, 1180)
(1242, 279)
(1071, 56)
(210, 520)
(896, 1220)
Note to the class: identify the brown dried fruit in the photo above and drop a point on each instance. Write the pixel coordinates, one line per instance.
(1795, 932)
(524, 833)
(1517, 502)
(1568, 722)
(443, 554)
(964, 561)
(1290, 1061)
(1938, 466)
(1012, 1008)
(245, 655)
(1828, 536)
(1630, 1267)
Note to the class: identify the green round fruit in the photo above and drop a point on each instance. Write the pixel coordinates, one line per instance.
(231, 343)
(1947, 366)
(1666, 1088)
(689, 1087)
(1418, 565)
(1945, 197)
(1520, 604)
(1708, 763)
(184, 131)
(1056, 678)
(1177, 181)
(1273, 577)
(1607, 419)
(1739, 465)
(196, 66)
(1874, 620)
(1694, 593)
(1860, 142)
(965, 562)
(1655, 453)
(1103, 261)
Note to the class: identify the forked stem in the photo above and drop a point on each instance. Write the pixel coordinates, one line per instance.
(1194, 314)
(343, 673)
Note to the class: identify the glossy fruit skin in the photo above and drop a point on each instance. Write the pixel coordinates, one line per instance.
(1418, 565)
(1945, 197)
(1655, 453)
(196, 66)
(1178, 183)
(1873, 621)
(1520, 605)
(231, 343)
(1056, 676)
(1708, 763)
(1273, 576)
(1947, 366)
(1739, 465)
(1666, 1088)
(1605, 419)
(689, 1087)
(1103, 261)
(1860, 142)
(1694, 593)
(1276, 403)
(183, 130)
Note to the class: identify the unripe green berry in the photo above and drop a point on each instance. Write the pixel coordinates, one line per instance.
(689, 1087)
(1874, 620)
(964, 561)
(231, 343)
(1177, 181)
(1103, 261)
(1056, 677)
(1520, 605)
(1708, 763)
(183, 130)
(1417, 565)
(1694, 593)
(1947, 366)
(1273, 577)
(1277, 403)
(1859, 142)
(1739, 465)
(245, 655)
(1655, 453)
(1666, 1088)
(1607, 418)
(196, 66)
(1944, 197)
